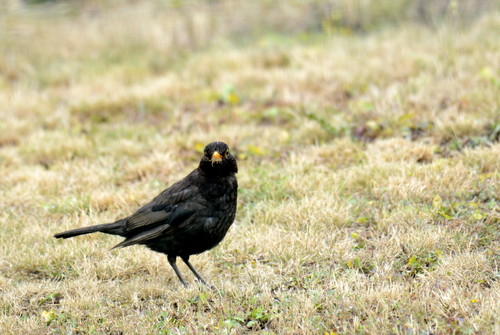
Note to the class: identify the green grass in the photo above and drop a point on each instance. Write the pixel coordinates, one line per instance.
(369, 171)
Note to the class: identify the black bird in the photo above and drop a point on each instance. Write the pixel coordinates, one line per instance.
(188, 218)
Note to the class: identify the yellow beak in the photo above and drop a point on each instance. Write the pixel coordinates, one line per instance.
(216, 157)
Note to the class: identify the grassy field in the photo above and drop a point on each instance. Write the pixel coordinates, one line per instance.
(369, 197)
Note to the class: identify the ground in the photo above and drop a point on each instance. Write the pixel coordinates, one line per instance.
(369, 197)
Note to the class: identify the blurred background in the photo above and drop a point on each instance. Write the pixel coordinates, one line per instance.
(170, 28)
(316, 65)
(61, 44)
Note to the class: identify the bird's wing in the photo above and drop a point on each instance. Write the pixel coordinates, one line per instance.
(160, 210)
(144, 236)
(179, 217)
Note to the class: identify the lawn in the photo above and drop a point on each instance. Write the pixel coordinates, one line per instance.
(369, 183)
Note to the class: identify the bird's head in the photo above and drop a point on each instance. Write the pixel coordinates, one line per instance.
(218, 160)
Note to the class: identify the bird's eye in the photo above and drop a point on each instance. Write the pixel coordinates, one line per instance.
(226, 154)
(206, 156)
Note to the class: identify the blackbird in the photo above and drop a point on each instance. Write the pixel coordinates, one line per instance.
(191, 216)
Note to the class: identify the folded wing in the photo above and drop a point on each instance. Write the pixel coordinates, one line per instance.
(160, 218)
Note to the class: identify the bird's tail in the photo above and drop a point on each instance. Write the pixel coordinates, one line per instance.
(116, 228)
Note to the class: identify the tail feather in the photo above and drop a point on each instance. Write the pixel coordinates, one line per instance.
(116, 228)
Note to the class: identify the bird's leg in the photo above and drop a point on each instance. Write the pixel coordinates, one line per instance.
(171, 260)
(186, 260)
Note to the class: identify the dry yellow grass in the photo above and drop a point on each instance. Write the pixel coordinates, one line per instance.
(369, 175)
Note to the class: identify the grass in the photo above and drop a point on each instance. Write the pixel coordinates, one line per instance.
(369, 173)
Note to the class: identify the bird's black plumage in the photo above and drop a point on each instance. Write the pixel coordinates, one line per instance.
(188, 218)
